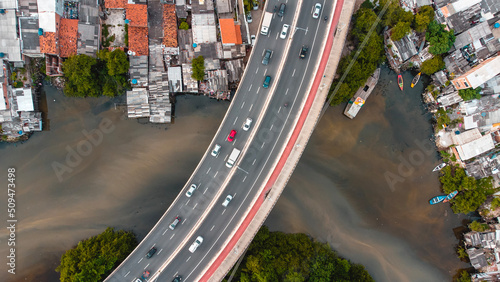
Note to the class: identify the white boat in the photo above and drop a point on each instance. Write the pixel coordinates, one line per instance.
(439, 167)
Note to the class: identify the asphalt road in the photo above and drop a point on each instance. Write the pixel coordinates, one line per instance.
(203, 213)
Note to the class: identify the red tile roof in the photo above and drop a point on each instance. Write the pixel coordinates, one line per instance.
(68, 32)
(138, 40)
(137, 14)
(48, 43)
(230, 32)
(169, 26)
(115, 4)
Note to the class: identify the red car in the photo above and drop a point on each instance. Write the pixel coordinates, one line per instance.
(231, 135)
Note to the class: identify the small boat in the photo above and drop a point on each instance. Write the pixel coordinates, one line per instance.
(415, 80)
(437, 199)
(450, 196)
(439, 167)
(400, 81)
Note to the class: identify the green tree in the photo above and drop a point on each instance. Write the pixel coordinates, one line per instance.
(464, 277)
(433, 65)
(469, 93)
(478, 226)
(440, 40)
(184, 26)
(462, 254)
(400, 30)
(198, 65)
(95, 258)
(80, 73)
(117, 63)
(423, 18)
(394, 14)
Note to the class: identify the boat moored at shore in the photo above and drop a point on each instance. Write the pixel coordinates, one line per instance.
(358, 100)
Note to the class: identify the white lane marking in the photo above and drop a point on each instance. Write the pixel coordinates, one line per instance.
(270, 129)
(258, 89)
(262, 145)
(172, 236)
(127, 274)
(205, 191)
(212, 228)
(160, 251)
(147, 266)
(164, 232)
(249, 88)
(293, 74)
(140, 260)
(188, 201)
(263, 51)
(277, 34)
(254, 161)
(242, 105)
(223, 211)
(188, 259)
(234, 195)
(265, 72)
(182, 221)
(251, 106)
(235, 120)
(195, 206)
(209, 169)
(286, 91)
(244, 179)
(154, 245)
(216, 172)
(256, 70)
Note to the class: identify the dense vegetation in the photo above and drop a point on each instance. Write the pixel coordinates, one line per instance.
(440, 40)
(423, 18)
(433, 65)
(198, 68)
(95, 258)
(370, 56)
(92, 77)
(472, 192)
(275, 256)
(469, 93)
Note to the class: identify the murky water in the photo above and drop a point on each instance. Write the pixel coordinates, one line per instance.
(128, 178)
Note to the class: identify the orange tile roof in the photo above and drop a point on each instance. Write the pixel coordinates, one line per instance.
(48, 43)
(115, 4)
(230, 32)
(68, 32)
(169, 26)
(137, 14)
(138, 40)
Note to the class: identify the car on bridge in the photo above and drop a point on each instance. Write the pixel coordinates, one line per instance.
(281, 11)
(317, 10)
(216, 150)
(232, 134)
(284, 31)
(151, 252)
(267, 57)
(177, 278)
(303, 52)
(196, 244)
(247, 124)
(190, 191)
(227, 200)
(174, 223)
(267, 81)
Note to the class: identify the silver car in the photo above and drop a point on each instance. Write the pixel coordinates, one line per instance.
(227, 200)
(317, 10)
(190, 191)
(216, 150)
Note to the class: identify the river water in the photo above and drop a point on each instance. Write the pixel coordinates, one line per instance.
(94, 168)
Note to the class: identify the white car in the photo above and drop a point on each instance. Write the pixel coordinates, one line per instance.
(284, 31)
(317, 10)
(227, 200)
(247, 124)
(190, 191)
(196, 244)
(216, 150)
(252, 40)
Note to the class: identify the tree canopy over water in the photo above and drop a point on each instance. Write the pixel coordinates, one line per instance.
(276, 256)
(93, 259)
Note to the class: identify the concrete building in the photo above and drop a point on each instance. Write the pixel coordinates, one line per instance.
(483, 72)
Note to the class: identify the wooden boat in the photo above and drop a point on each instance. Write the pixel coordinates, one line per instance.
(450, 196)
(415, 80)
(439, 167)
(437, 199)
(361, 95)
(400, 81)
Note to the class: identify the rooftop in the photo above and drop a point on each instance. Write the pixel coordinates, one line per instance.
(175, 79)
(202, 6)
(204, 29)
(484, 72)
(68, 32)
(48, 43)
(9, 41)
(138, 40)
(473, 36)
(24, 99)
(137, 103)
(88, 39)
(139, 70)
(29, 34)
(28, 7)
(169, 26)
(89, 12)
(115, 4)
(476, 147)
(137, 14)
(230, 31)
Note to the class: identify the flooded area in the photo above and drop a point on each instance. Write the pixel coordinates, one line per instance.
(94, 169)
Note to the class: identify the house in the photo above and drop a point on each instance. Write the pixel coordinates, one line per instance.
(204, 28)
(138, 40)
(10, 43)
(169, 26)
(137, 103)
(475, 148)
(89, 28)
(483, 72)
(230, 32)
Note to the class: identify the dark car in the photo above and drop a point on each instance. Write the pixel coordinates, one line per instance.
(303, 51)
(151, 252)
(177, 278)
(267, 56)
(281, 11)
(231, 135)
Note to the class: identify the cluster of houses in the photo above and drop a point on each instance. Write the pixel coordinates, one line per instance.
(160, 54)
(484, 254)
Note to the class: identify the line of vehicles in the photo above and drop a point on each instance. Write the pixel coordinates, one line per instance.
(235, 153)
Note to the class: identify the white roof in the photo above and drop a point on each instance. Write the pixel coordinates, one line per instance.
(469, 122)
(203, 27)
(8, 4)
(2, 98)
(476, 147)
(466, 137)
(47, 21)
(462, 5)
(9, 41)
(484, 73)
(53, 6)
(24, 99)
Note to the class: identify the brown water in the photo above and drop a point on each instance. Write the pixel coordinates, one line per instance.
(128, 179)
